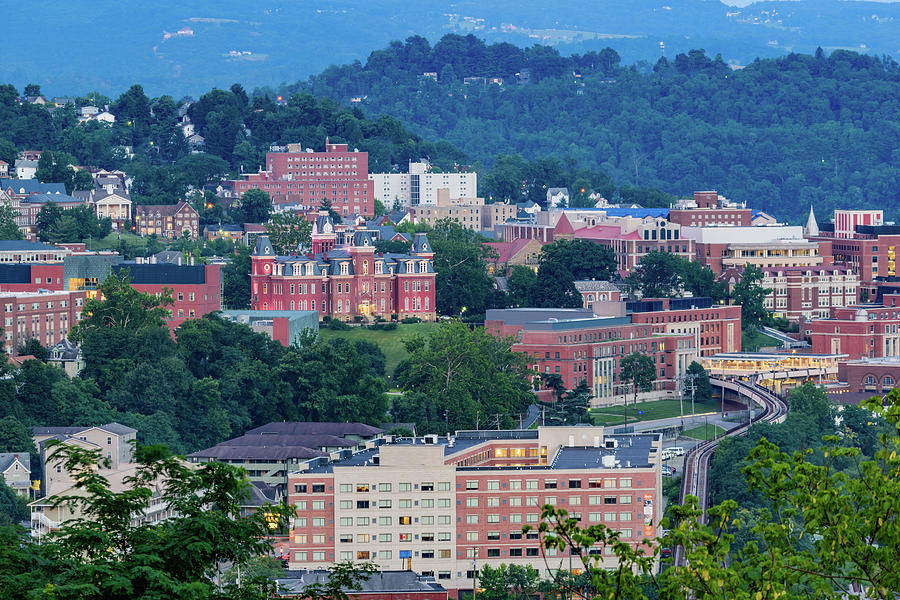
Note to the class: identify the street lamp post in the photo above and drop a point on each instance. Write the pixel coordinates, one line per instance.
(474, 572)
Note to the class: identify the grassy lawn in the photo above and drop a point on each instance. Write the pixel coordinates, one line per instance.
(751, 341)
(391, 342)
(112, 241)
(703, 432)
(658, 409)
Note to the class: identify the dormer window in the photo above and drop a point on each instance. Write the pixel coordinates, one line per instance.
(423, 266)
(345, 268)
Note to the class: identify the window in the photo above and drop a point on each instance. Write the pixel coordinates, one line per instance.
(384, 487)
(362, 520)
(405, 503)
(609, 500)
(362, 504)
(471, 485)
(531, 484)
(427, 486)
(532, 551)
(383, 503)
(515, 484)
(472, 519)
(493, 485)
(625, 482)
(384, 520)
(471, 536)
(515, 535)
(443, 486)
(472, 502)
(444, 536)
(318, 488)
(384, 537)
(515, 501)
(550, 484)
(405, 537)
(300, 522)
(427, 520)
(427, 537)
(515, 552)
(318, 539)
(346, 538)
(346, 521)
(493, 536)
(443, 519)
(404, 487)
(427, 554)
(493, 501)
(362, 487)
(444, 554)
(318, 505)
(575, 500)
(427, 503)
(493, 552)
(531, 501)
(317, 556)
(443, 502)
(624, 499)
(625, 516)
(384, 555)
(405, 520)
(532, 518)
(515, 518)
(362, 555)
(299, 488)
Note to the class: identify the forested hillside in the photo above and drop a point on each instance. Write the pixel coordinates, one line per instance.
(781, 134)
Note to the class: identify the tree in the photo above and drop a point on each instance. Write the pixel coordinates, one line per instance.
(288, 232)
(508, 582)
(8, 228)
(343, 577)
(518, 285)
(462, 281)
(13, 507)
(570, 408)
(120, 307)
(657, 276)
(584, 259)
(554, 287)
(639, 371)
(236, 279)
(255, 207)
(457, 376)
(15, 436)
(702, 386)
(392, 247)
(56, 167)
(750, 295)
(175, 558)
(701, 281)
(32, 89)
(33, 347)
(379, 207)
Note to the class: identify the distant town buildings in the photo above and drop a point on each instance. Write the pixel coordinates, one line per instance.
(167, 221)
(420, 185)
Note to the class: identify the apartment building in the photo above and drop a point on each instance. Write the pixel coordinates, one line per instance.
(167, 220)
(721, 248)
(470, 212)
(444, 506)
(295, 175)
(420, 185)
(860, 331)
(44, 316)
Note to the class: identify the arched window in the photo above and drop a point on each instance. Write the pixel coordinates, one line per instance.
(365, 267)
(406, 304)
(869, 383)
(887, 382)
(590, 297)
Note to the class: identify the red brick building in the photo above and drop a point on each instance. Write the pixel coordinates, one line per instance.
(870, 376)
(345, 282)
(862, 331)
(581, 347)
(708, 208)
(167, 220)
(809, 292)
(307, 178)
(630, 247)
(439, 505)
(43, 316)
(716, 328)
(196, 289)
(871, 252)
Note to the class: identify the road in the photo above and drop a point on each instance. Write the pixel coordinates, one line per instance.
(695, 477)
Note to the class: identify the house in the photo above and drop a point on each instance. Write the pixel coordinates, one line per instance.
(67, 356)
(15, 469)
(594, 293)
(113, 441)
(522, 251)
(115, 204)
(26, 169)
(228, 231)
(557, 197)
(4, 169)
(167, 220)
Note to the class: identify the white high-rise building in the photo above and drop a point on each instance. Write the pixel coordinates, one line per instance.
(420, 185)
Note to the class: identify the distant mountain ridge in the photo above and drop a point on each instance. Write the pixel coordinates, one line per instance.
(184, 48)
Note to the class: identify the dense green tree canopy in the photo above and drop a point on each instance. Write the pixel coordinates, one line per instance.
(458, 376)
(750, 295)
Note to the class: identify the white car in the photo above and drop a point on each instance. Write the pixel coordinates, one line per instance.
(667, 454)
(676, 450)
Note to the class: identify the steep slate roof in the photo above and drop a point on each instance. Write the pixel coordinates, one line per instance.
(164, 210)
(22, 245)
(8, 458)
(44, 198)
(589, 285)
(224, 452)
(32, 186)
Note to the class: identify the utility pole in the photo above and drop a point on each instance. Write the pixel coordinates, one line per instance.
(474, 572)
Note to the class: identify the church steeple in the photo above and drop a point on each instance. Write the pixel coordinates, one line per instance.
(812, 228)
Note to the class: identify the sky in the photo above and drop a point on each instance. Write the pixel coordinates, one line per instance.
(746, 2)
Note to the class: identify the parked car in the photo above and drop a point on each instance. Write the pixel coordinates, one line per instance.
(677, 450)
